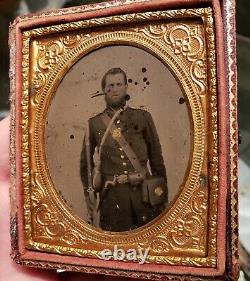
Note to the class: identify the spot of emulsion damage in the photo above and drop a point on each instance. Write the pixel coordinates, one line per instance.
(181, 100)
(146, 81)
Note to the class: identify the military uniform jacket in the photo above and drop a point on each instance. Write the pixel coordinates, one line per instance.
(138, 128)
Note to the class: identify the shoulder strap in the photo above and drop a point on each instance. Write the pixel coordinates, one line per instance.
(124, 144)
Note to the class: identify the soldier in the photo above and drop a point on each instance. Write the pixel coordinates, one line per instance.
(130, 154)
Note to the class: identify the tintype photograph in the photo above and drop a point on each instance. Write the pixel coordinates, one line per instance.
(118, 138)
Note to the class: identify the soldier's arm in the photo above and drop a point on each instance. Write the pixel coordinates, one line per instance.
(154, 147)
(84, 166)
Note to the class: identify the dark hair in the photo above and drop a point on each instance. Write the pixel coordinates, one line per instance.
(113, 71)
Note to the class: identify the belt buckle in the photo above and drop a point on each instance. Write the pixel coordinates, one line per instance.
(121, 179)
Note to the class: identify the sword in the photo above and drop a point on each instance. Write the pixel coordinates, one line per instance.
(88, 156)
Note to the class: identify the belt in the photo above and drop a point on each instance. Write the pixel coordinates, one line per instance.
(116, 179)
(132, 178)
(113, 181)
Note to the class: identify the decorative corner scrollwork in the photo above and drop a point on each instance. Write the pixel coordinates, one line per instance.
(187, 41)
(48, 53)
(49, 223)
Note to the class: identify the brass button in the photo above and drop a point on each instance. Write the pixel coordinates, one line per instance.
(125, 172)
(118, 121)
(158, 191)
(124, 164)
(120, 149)
(116, 133)
(144, 218)
(122, 156)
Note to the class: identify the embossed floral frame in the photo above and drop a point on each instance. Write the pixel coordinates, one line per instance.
(191, 237)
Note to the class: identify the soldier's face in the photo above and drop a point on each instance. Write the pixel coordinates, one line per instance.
(115, 89)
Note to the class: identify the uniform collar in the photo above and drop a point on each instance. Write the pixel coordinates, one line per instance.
(111, 111)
